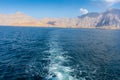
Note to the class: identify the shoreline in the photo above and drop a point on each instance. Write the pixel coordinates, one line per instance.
(101, 28)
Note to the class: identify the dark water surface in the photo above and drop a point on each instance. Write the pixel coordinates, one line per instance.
(59, 54)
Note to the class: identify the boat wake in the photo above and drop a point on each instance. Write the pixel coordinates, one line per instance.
(57, 69)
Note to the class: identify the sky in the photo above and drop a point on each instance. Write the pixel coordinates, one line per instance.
(56, 8)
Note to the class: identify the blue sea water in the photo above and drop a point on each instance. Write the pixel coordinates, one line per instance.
(28, 53)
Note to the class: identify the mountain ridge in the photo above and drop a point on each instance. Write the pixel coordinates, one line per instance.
(110, 19)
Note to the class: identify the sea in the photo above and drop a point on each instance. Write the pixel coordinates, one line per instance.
(29, 53)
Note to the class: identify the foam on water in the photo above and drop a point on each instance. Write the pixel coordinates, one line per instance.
(57, 71)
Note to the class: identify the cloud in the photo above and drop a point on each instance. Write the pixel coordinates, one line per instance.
(83, 11)
(107, 2)
(111, 2)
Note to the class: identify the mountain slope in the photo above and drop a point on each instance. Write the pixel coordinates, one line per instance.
(110, 18)
(16, 19)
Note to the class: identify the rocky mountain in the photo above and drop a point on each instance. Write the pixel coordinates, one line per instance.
(110, 19)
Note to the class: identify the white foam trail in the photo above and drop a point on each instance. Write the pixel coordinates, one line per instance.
(56, 68)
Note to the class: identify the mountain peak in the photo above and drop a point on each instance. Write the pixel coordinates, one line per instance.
(91, 15)
(19, 13)
(113, 11)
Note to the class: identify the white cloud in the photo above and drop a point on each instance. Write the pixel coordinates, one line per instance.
(83, 11)
(106, 3)
(111, 2)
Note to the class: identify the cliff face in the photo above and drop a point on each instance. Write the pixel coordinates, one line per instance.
(108, 19)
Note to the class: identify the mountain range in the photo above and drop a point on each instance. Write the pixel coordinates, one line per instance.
(110, 19)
